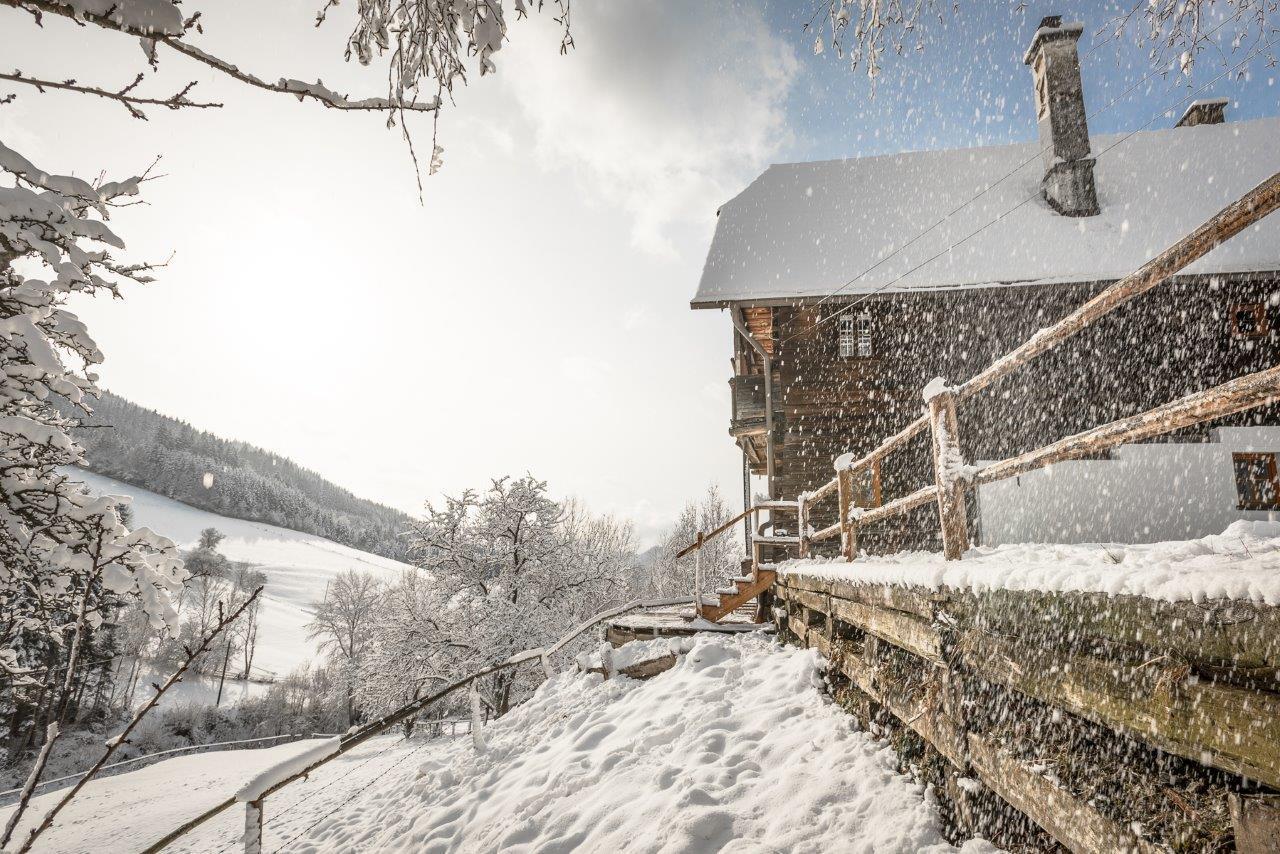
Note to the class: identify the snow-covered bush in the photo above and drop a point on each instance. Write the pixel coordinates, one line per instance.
(67, 561)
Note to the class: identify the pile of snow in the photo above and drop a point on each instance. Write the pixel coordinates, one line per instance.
(297, 565)
(637, 652)
(1243, 562)
(736, 749)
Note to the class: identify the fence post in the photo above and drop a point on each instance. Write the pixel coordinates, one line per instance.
(697, 577)
(547, 669)
(802, 522)
(606, 660)
(848, 533)
(477, 726)
(253, 827)
(946, 461)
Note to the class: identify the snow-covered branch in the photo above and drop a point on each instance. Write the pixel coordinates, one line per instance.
(123, 96)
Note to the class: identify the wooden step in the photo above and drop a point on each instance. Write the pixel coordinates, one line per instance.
(728, 604)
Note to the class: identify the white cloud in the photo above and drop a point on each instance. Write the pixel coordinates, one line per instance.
(664, 115)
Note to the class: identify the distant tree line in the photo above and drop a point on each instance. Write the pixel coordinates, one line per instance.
(172, 458)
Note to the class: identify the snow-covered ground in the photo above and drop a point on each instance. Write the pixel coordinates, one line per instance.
(736, 749)
(298, 566)
(1243, 562)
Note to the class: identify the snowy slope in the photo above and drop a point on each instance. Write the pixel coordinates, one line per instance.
(736, 749)
(297, 565)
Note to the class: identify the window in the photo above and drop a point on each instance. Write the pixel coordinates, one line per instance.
(864, 335)
(854, 335)
(1249, 320)
(1256, 485)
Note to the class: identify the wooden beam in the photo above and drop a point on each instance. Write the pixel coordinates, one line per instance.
(1228, 222)
(922, 496)
(898, 628)
(944, 433)
(1231, 397)
(1075, 824)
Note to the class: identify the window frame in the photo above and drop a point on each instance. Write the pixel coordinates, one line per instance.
(1260, 325)
(853, 335)
(1256, 499)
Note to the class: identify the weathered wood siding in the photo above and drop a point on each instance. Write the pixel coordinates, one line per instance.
(1173, 341)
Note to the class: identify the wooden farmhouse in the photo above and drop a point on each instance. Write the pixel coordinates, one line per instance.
(850, 284)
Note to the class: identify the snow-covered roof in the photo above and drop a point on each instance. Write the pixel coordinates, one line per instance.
(807, 229)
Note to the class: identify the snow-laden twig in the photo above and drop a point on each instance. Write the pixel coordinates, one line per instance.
(114, 744)
(124, 97)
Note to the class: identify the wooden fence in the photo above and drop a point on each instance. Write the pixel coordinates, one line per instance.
(1114, 723)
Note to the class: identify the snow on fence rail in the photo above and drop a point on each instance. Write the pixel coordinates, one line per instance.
(271, 780)
(952, 479)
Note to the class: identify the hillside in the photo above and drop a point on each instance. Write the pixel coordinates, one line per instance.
(170, 457)
(297, 565)
(736, 749)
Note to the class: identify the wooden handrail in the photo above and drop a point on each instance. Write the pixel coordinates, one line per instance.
(689, 549)
(1228, 222)
(1237, 395)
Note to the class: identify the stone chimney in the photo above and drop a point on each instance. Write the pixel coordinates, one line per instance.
(1210, 111)
(1064, 131)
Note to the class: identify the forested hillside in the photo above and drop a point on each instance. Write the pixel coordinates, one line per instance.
(170, 457)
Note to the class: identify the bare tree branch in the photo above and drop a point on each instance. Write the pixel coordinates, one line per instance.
(132, 103)
(123, 737)
(316, 91)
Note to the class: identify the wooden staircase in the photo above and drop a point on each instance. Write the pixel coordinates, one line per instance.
(744, 589)
(759, 571)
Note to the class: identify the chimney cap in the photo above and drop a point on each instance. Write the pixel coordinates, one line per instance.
(1051, 29)
(1206, 111)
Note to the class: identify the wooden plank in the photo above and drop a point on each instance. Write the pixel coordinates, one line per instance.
(1231, 220)
(920, 497)
(902, 630)
(918, 601)
(1234, 729)
(1237, 395)
(1076, 825)
(906, 434)
(1256, 821)
(848, 534)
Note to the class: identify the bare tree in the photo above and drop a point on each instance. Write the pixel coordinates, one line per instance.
(343, 622)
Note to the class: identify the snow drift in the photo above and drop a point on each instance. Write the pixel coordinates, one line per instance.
(736, 749)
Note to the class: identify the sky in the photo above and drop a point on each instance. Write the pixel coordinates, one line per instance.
(530, 312)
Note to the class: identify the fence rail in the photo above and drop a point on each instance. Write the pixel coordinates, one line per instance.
(939, 420)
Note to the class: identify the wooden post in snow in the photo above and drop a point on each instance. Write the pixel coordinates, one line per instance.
(802, 523)
(848, 533)
(697, 578)
(946, 462)
(606, 659)
(253, 827)
(477, 725)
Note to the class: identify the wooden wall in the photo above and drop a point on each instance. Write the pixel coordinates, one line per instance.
(1174, 340)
